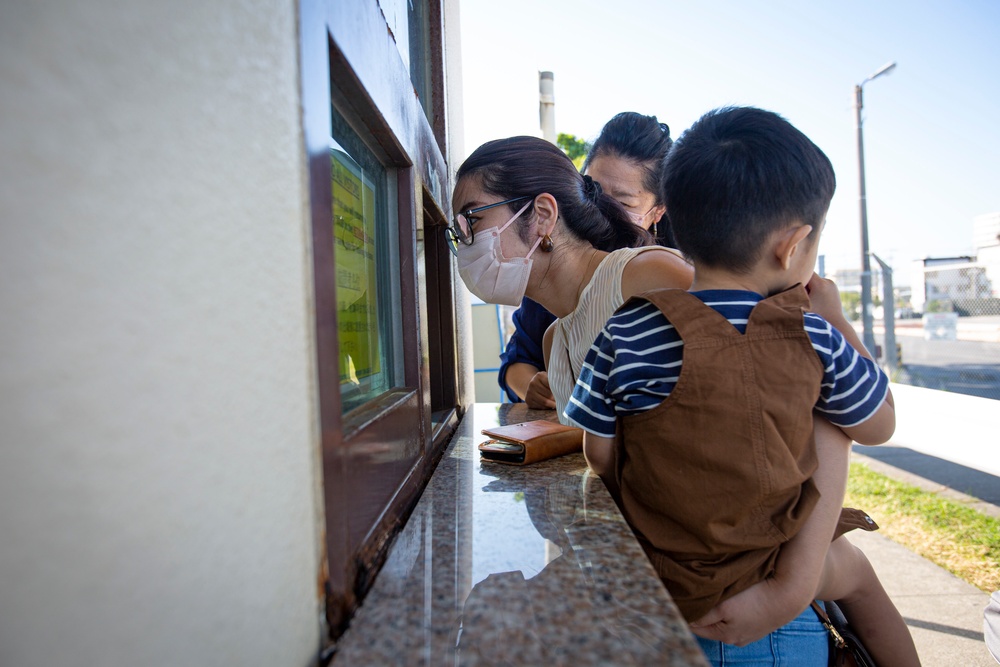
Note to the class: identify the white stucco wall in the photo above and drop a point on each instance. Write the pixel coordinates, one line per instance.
(953, 427)
(158, 456)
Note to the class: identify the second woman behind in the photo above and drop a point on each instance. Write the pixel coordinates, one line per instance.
(626, 160)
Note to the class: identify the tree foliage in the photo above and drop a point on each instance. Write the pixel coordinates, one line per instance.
(851, 302)
(575, 148)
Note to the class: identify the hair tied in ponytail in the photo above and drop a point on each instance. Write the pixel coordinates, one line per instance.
(591, 189)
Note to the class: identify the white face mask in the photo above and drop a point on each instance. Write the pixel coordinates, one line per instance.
(638, 218)
(486, 272)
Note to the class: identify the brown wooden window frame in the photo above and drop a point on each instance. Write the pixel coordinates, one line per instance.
(376, 458)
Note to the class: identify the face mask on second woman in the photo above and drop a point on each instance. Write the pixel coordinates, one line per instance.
(488, 274)
(639, 218)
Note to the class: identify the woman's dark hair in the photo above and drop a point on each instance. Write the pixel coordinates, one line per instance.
(522, 166)
(644, 141)
(738, 175)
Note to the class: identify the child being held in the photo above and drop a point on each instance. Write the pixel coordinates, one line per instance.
(698, 405)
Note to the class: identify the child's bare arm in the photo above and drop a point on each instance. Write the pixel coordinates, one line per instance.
(599, 453)
(878, 428)
(801, 559)
(765, 607)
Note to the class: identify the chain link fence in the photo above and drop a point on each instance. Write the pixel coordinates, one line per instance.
(944, 327)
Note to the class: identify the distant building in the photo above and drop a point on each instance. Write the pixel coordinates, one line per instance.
(945, 278)
(986, 233)
(848, 280)
(965, 277)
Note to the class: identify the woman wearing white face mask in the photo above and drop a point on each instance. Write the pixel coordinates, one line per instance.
(529, 224)
(626, 160)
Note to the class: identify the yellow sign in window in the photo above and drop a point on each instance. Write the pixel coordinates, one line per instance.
(355, 251)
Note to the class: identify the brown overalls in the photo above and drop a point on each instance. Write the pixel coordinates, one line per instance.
(715, 478)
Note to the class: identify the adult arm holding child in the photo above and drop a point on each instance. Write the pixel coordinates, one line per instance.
(809, 566)
(775, 601)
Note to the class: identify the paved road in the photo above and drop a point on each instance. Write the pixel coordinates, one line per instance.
(961, 366)
(969, 365)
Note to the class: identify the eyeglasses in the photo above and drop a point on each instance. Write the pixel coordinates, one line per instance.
(461, 228)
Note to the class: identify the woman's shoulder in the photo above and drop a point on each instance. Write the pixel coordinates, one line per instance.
(654, 268)
(627, 259)
(655, 253)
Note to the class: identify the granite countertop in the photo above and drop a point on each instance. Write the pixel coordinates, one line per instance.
(508, 565)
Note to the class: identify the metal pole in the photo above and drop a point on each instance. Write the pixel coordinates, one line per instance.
(888, 317)
(547, 105)
(868, 334)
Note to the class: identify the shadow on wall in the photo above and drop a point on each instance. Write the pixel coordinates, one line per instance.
(972, 482)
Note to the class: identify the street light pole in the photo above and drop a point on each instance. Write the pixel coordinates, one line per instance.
(868, 333)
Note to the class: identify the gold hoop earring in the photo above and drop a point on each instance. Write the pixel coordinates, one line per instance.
(546, 245)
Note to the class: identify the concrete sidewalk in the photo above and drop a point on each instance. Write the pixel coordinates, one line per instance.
(947, 444)
(943, 612)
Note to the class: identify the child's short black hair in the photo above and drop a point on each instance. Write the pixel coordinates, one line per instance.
(735, 177)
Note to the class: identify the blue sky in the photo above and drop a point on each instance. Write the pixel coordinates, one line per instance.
(931, 127)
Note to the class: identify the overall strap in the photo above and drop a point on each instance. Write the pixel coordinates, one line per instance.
(689, 315)
(777, 308)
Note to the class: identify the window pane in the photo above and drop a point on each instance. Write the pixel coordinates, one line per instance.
(408, 20)
(366, 256)
(420, 55)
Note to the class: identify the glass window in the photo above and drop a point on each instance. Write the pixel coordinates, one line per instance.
(366, 254)
(420, 55)
(409, 21)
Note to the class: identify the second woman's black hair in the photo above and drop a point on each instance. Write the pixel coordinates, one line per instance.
(530, 166)
(643, 140)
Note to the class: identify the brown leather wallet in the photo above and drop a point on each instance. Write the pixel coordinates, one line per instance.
(529, 442)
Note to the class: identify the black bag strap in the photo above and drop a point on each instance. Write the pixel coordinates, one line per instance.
(846, 649)
(824, 618)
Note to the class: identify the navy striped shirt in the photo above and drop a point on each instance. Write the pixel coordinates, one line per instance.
(636, 360)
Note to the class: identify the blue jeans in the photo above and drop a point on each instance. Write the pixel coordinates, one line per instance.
(803, 642)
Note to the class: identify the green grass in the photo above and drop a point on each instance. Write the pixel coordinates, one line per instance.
(946, 532)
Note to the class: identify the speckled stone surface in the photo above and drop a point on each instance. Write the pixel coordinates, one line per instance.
(508, 565)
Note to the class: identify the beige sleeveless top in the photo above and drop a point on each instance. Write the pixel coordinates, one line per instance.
(575, 333)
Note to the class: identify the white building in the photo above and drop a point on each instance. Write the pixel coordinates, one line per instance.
(987, 239)
(964, 277)
(946, 278)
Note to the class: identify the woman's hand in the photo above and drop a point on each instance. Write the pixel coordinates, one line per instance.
(531, 385)
(539, 396)
(751, 615)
